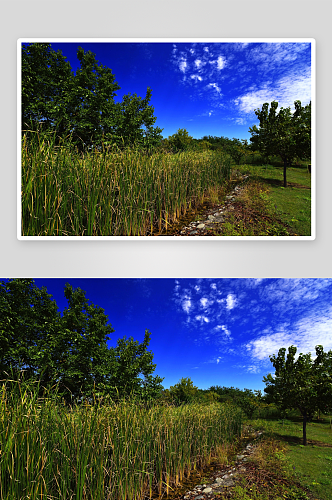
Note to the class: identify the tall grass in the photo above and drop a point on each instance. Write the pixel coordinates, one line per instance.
(118, 451)
(110, 192)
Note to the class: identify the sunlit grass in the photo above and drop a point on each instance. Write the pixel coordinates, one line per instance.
(265, 208)
(311, 464)
(292, 205)
(112, 192)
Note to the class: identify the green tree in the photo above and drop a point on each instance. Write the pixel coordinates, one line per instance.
(70, 349)
(201, 145)
(93, 112)
(27, 315)
(136, 120)
(46, 86)
(283, 134)
(246, 399)
(301, 384)
(83, 358)
(132, 368)
(180, 141)
(83, 104)
(236, 149)
(183, 392)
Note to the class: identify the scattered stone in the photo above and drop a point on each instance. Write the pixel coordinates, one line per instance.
(225, 479)
(207, 490)
(213, 219)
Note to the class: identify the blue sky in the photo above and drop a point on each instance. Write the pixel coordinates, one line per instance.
(215, 331)
(207, 88)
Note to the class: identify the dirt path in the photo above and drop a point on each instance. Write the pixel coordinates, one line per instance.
(214, 217)
(211, 215)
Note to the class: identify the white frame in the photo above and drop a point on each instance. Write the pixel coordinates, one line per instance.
(312, 41)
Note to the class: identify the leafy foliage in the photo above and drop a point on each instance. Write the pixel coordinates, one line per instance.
(180, 141)
(183, 392)
(246, 399)
(301, 384)
(82, 105)
(284, 134)
(129, 360)
(70, 349)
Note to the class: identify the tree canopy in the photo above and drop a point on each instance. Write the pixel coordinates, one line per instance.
(303, 384)
(70, 349)
(83, 104)
(183, 392)
(283, 134)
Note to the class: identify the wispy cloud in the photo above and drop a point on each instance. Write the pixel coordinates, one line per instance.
(230, 301)
(305, 334)
(285, 91)
(245, 75)
(251, 319)
(206, 307)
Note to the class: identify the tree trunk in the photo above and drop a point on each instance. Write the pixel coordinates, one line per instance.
(285, 168)
(305, 428)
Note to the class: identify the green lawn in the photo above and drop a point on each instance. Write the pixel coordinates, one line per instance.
(292, 205)
(311, 464)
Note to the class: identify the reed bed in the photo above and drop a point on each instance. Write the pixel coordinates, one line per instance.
(110, 192)
(113, 451)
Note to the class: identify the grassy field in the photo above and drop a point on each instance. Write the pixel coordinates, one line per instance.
(130, 193)
(113, 451)
(266, 208)
(112, 192)
(297, 466)
(127, 451)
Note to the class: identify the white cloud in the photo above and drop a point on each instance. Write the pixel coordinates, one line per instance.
(230, 301)
(214, 86)
(204, 301)
(285, 91)
(305, 335)
(213, 360)
(202, 319)
(196, 78)
(254, 73)
(183, 66)
(198, 63)
(253, 369)
(220, 62)
(186, 304)
(222, 328)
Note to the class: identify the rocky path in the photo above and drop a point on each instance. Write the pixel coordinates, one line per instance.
(213, 218)
(224, 479)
